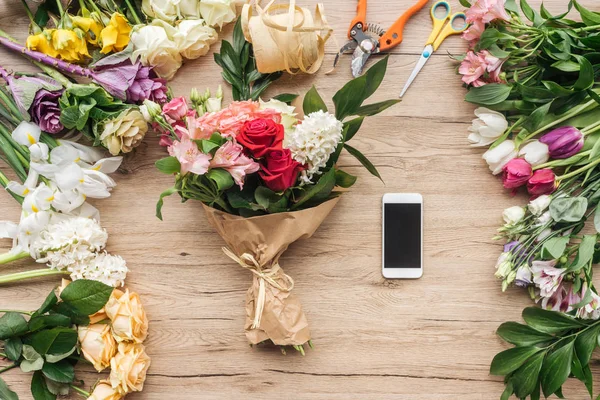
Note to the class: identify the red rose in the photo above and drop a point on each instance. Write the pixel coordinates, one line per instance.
(279, 170)
(261, 135)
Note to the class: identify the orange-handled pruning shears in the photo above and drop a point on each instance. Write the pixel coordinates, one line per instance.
(363, 45)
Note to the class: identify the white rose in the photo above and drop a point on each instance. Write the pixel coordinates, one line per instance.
(288, 114)
(153, 46)
(500, 155)
(487, 127)
(189, 9)
(513, 215)
(167, 10)
(217, 12)
(535, 153)
(194, 37)
(539, 205)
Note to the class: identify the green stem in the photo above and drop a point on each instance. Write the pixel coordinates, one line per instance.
(565, 117)
(8, 136)
(80, 391)
(49, 140)
(17, 311)
(53, 73)
(4, 182)
(7, 368)
(553, 163)
(587, 28)
(133, 12)
(19, 276)
(10, 257)
(578, 171)
(10, 103)
(60, 7)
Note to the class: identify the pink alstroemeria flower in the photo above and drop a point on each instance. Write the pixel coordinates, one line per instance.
(487, 11)
(472, 69)
(189, 156)
(230, 157)
(473, 33)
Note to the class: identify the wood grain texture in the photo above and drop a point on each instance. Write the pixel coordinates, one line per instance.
(427, 339)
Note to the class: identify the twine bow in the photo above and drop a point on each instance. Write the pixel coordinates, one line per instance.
(285, 284)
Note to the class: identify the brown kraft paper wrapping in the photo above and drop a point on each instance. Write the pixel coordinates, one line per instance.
(256, 243)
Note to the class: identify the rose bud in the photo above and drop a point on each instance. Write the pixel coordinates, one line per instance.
(542, 182)
(563, 142)
(516, 173)
(260, 136)
(279, 170)
(104, 391)
(98, 346)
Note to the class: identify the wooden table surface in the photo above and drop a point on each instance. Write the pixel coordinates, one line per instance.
(432, 338)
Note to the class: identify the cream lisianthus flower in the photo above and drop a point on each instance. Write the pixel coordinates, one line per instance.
(124, 133)
(129, 367)
(288, 113)
(513, 215)
(194, 37)
(153, 45)
(217, 12)
(104, 391)
(129, 321)
(98, 345)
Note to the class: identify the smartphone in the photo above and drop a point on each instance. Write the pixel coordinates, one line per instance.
(402, 242)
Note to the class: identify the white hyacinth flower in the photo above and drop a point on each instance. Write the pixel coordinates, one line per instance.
(313, 141)
(103, 267)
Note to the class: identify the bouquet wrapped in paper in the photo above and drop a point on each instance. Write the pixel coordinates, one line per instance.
(266, 178)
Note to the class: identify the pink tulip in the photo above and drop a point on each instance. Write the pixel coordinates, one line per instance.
(516, 173)
(542, 182)
(230, 157)
(189, 156)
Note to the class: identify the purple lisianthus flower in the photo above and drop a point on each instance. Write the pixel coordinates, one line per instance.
(563, 142)
(508, 247)
(147, 86)
(524, 276)
(45, 110)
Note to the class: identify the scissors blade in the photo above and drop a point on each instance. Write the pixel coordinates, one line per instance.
(420, 64)
(351, 45)
(359, 59)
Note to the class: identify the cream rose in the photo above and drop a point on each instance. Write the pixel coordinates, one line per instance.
(194, 37)
(170, 10)
(153, 45)
(129, 367)
(98, 345)
(105, 391)
(217, 12)
(129, 321)
(124, 133)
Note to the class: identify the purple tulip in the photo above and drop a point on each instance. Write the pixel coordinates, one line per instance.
(45, 111)
(563, 142)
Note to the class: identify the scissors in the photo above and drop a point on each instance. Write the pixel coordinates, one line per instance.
(440, 32)
(367, 39)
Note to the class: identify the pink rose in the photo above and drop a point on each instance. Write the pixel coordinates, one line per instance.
(176, 109)
(231, 158)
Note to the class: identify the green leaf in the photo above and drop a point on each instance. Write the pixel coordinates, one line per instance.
(586, 75)
(221, 177)
(588, 17)
(55, 340)
(48, 303)
(39, 389)
(549, 321)
(352, 126)
(525, 379)
(568, 209)
(54, 358)
(465, 3)
(554, 247)
(168, 165)
(491, 94)
(320, 190)
(363, 160)
(585, 252)
(12, 324)
(586, 343)
(556, 368)
(271, 201)
(533, 122)
(13, 348)
(509, 360)
(597, 218)
(48, 321)
(508, 390)
(6, 393)
(238, 37)
(376, 108)
(32, 360)
(521, 335)
(62, 371)
(160, 202)
(583, 373)
(86, 296)
(76, 317)
(313, 102)
(343, 179)
(287, 98)
(531, 14)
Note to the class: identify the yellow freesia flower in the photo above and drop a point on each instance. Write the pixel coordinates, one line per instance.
(69, 46)
(42, 42)
(115, 36)
(90, 26)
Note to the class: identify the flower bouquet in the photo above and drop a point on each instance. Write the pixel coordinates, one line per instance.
(538, 96)
(267, 179)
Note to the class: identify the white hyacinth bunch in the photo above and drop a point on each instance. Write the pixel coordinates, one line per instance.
(313, 141)
(103, 267)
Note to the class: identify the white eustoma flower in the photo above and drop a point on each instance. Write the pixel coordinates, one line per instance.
(500, 155)
(103, 267)
(194, 37)
(538, 205)
(27, 133)
(513, 215)
(217, 12)
(535, 153)
(543, 219)
(503, 266)
(288, 113)
(215, 103)
(153, 45)
(487, 127)
(313, 141)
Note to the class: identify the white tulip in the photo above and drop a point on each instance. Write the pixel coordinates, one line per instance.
(535, 153)
(513, 215)
(153, 46)
(539, 204)
(27, 133)
(487, 127)
(194, 37)
(500, 155)
(217, 12)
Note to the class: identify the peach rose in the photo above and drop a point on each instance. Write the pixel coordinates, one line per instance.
(129, 321)
(104, 391)
(97, 344)
(129, 367)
